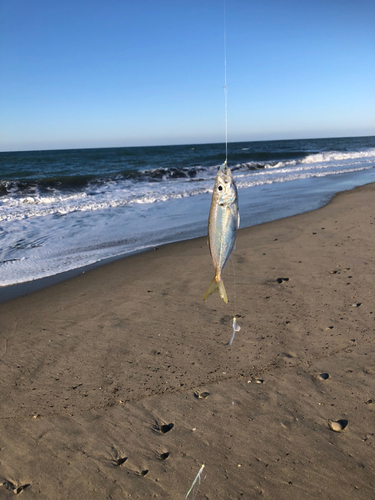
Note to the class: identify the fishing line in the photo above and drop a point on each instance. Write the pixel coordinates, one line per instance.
(234, 285)
(236, 327)
(225, 86)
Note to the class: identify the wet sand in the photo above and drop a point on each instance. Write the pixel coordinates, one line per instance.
(120, 383)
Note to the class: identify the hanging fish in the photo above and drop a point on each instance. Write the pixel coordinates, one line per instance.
(223, 222)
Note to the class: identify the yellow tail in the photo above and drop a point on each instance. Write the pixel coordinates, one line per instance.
(217, 285)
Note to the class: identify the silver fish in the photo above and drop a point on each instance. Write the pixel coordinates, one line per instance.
(223, 222)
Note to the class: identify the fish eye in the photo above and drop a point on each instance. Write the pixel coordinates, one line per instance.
(220, 188)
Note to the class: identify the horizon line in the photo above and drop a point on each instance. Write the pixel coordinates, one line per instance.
(184, 144)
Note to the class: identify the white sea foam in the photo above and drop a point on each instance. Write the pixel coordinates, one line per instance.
(296, 176)
(120, 193)
(338, 155)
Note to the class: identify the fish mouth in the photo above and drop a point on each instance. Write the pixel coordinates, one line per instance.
(224, 168)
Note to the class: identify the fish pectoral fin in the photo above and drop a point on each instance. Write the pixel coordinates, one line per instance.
(217, 285)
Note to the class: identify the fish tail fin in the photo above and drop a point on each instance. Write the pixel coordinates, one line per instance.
(213, 286)
(222, 292)
(217, 284)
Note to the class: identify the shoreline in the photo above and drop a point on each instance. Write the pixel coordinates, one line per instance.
(120, 382)
(10, 292)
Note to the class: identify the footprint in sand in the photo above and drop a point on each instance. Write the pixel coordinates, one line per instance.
(143, 473)
(201, 395)
(338, 426)
(163, 456)
(11, 486)
(163, 428)
(118, 457)
(120, 461)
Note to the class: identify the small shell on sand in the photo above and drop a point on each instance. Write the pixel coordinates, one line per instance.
(201, 395)
(323, 376)
(338, 426)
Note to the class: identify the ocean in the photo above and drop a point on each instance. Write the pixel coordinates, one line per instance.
(63, 210)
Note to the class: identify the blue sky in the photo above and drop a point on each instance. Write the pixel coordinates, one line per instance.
(90, 73)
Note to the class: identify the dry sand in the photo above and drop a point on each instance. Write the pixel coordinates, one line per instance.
(100, 374)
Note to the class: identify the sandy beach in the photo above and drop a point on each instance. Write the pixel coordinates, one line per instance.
(120, 383)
